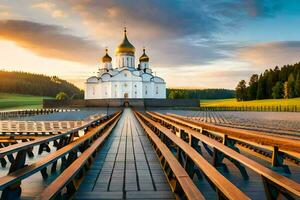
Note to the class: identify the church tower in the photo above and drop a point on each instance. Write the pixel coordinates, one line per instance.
(106, 60)
(125, 53)
(144, 62)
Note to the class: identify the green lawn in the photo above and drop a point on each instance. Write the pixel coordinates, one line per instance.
(234, 103)
(19, 101)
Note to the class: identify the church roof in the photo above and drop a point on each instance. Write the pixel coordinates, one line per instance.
(144, 57)
(106, 57)
(125, 46)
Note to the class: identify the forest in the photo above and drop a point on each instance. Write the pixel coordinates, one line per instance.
(200, 93)
(274, 83)
(36, 84)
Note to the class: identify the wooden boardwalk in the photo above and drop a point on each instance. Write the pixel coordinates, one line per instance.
(149, 155)
(126, 167)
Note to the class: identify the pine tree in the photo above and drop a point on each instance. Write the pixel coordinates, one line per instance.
(252, 89)
(297, 85)
(277, 90)
(286, 90)
(241, 91)
(291, 86)
(261, 88)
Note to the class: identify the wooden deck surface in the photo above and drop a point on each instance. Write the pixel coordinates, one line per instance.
(126, 167)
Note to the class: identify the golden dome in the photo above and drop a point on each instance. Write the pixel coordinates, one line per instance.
(144, 57)
(106, 57)
(125, 46)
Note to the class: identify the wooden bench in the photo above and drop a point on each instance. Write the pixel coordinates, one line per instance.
(40, 165)
(252, 136)
(21, 146)
(282, 183)
(68, 176)
(186, 183)
(223, 186)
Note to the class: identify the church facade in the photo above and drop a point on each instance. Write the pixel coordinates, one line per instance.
(125, 80)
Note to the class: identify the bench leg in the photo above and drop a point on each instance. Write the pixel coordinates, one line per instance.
(277, 161)
(14, 191)
(218, 158)
(231, 144)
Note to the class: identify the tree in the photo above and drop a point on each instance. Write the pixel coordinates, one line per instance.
(177, 94)
(252, 89)
(297, 85)
(241, 91)
(62, 96)
(288, 75)
(286, 90)
(291, 86)
(277, 90)
(261, 88)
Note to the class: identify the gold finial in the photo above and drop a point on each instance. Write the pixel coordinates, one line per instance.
(125, 31)
(106, 49)
(144, 49)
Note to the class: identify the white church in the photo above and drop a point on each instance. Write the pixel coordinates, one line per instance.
(125, 80)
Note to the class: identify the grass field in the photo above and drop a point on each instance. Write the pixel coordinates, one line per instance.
(234, 103)
(19, 101)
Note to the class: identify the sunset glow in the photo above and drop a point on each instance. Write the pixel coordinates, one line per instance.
(201, 44)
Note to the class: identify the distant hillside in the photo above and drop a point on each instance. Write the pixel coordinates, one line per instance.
(200, 93)
(36, 84)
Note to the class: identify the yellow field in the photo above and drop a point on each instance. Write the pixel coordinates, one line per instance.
(234, 103)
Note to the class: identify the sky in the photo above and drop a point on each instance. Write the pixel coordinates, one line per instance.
(191, 43)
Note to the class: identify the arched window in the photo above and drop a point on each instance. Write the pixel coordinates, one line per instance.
(156, 89)
(93, 90)
(128, 61)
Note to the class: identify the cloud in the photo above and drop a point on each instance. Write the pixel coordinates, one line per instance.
(51, 8)
(177, 32)
(271, 54)
(49, 41)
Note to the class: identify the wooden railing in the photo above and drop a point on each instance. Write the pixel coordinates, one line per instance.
(191, 158)
(67, 144)
(191, 132)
